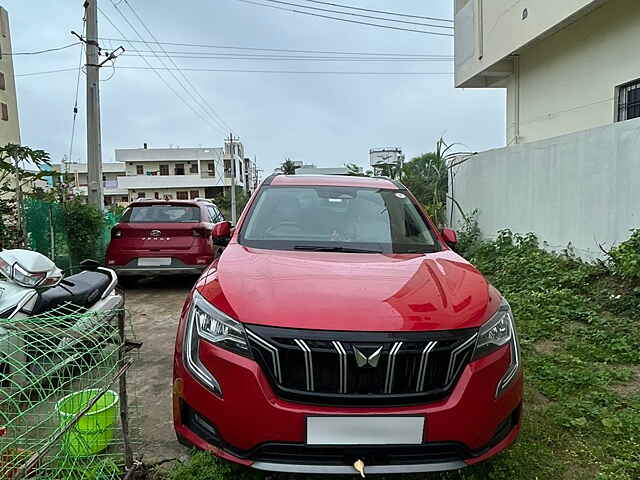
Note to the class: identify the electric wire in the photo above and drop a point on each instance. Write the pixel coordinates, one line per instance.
(373, 17)
(231, 70)
(389, 27)
(75, 105)
(380, 11)
(39, 52)
(231, 47)
(154, 69)
(197, 56)
(212, 110)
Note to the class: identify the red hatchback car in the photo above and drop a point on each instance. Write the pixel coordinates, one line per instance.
(158, 237)
(339, 332)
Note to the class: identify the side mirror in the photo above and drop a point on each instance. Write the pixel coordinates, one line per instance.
(450, 236)
(221, 233)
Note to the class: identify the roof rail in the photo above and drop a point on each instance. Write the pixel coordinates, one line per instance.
(199, 199)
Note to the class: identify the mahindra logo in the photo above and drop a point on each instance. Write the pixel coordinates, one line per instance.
(363, 360)
(155, 233)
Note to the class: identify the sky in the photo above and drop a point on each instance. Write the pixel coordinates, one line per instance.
(318, 118)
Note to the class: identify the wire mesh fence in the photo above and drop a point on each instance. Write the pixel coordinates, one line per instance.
(46, 232)
(64, 413)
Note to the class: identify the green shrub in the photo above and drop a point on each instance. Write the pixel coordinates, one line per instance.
(625, 258)
(204, 466)
(84, 225)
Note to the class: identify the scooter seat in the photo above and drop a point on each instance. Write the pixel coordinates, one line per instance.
(81, 290)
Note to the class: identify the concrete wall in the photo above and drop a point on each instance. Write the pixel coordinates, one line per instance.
(487, 31)
(568, 80)
(10, 128)
(582, 188)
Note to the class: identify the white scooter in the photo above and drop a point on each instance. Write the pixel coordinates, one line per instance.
(33, 287)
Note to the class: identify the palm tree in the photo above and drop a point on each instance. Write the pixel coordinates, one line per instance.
(288, 167)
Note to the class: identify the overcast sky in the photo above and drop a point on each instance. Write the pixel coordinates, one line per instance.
(324, 119)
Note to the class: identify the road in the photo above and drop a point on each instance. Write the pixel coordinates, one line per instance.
(154, 307)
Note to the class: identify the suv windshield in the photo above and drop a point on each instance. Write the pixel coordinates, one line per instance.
(343, 219)
(161, 214)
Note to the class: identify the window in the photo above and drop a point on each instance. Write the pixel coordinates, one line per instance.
(141, 195)
(182, 195)
(179, 168)
(629, 101)
(211, 169)
(164, 170)
(139, 170)
(194, 168)
(214, 214)
(341, 219)
(5, 112)
(124, 199)
(161, 213)
(227, 168)
(194, 194)
(3, 86)
(240, 165)
(156, 195)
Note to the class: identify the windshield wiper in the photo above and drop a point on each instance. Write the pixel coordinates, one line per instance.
(313, 248)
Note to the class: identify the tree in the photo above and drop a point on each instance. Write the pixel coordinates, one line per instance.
(357, 171)
(288, 167)
(427, 176)
(14, 177)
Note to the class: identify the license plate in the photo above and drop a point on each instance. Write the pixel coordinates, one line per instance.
(154, 262)
(363, 430)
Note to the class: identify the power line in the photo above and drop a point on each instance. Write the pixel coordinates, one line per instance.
(231, 70)
(75, 105)
(188, 55)
(407, 22)
(380, 11)
(45, 72)
(346, 20)
(276, 55)
(164, 80)
(195, 89)
(320, 72)
(206, 117)
(229, 47)
(38, 52)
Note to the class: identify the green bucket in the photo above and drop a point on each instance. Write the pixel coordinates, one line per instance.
(94, 431)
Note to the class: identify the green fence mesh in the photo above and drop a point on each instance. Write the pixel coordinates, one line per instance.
(51, 368)
(44, 223)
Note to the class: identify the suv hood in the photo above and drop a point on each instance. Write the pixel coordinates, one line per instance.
(349, 291)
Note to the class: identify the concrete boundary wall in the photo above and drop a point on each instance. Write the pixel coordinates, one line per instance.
(582, 188)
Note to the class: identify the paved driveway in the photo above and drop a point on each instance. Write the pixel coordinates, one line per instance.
(154, 306)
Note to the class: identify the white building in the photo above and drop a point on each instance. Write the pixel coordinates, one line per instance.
(572, 76)
(110, 172)
(567, 65)
(9, 124)
(180, 173)
(168, 173)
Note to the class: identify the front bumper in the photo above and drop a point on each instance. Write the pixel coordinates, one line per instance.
(250, 425)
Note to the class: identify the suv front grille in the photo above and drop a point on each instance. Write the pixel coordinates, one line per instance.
(361, 368)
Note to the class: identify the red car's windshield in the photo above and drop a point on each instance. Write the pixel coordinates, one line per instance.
(347, 219)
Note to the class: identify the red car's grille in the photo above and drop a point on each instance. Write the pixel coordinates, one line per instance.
(361, 368)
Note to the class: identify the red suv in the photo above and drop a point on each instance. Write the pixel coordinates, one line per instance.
(157, 237)
(339, 332)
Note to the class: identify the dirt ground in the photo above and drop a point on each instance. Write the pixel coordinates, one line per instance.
(154, 306)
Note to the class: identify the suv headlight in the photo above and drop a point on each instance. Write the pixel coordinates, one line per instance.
(500, 330)
(206, 322)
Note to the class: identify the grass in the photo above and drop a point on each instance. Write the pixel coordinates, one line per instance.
(579, 327)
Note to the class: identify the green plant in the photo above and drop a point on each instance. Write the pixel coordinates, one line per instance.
(288, 167)
(204, 466)
(84, 226)
(625, 257)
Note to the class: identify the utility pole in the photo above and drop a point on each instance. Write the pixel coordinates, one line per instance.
(94, 148)
(233, 180)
